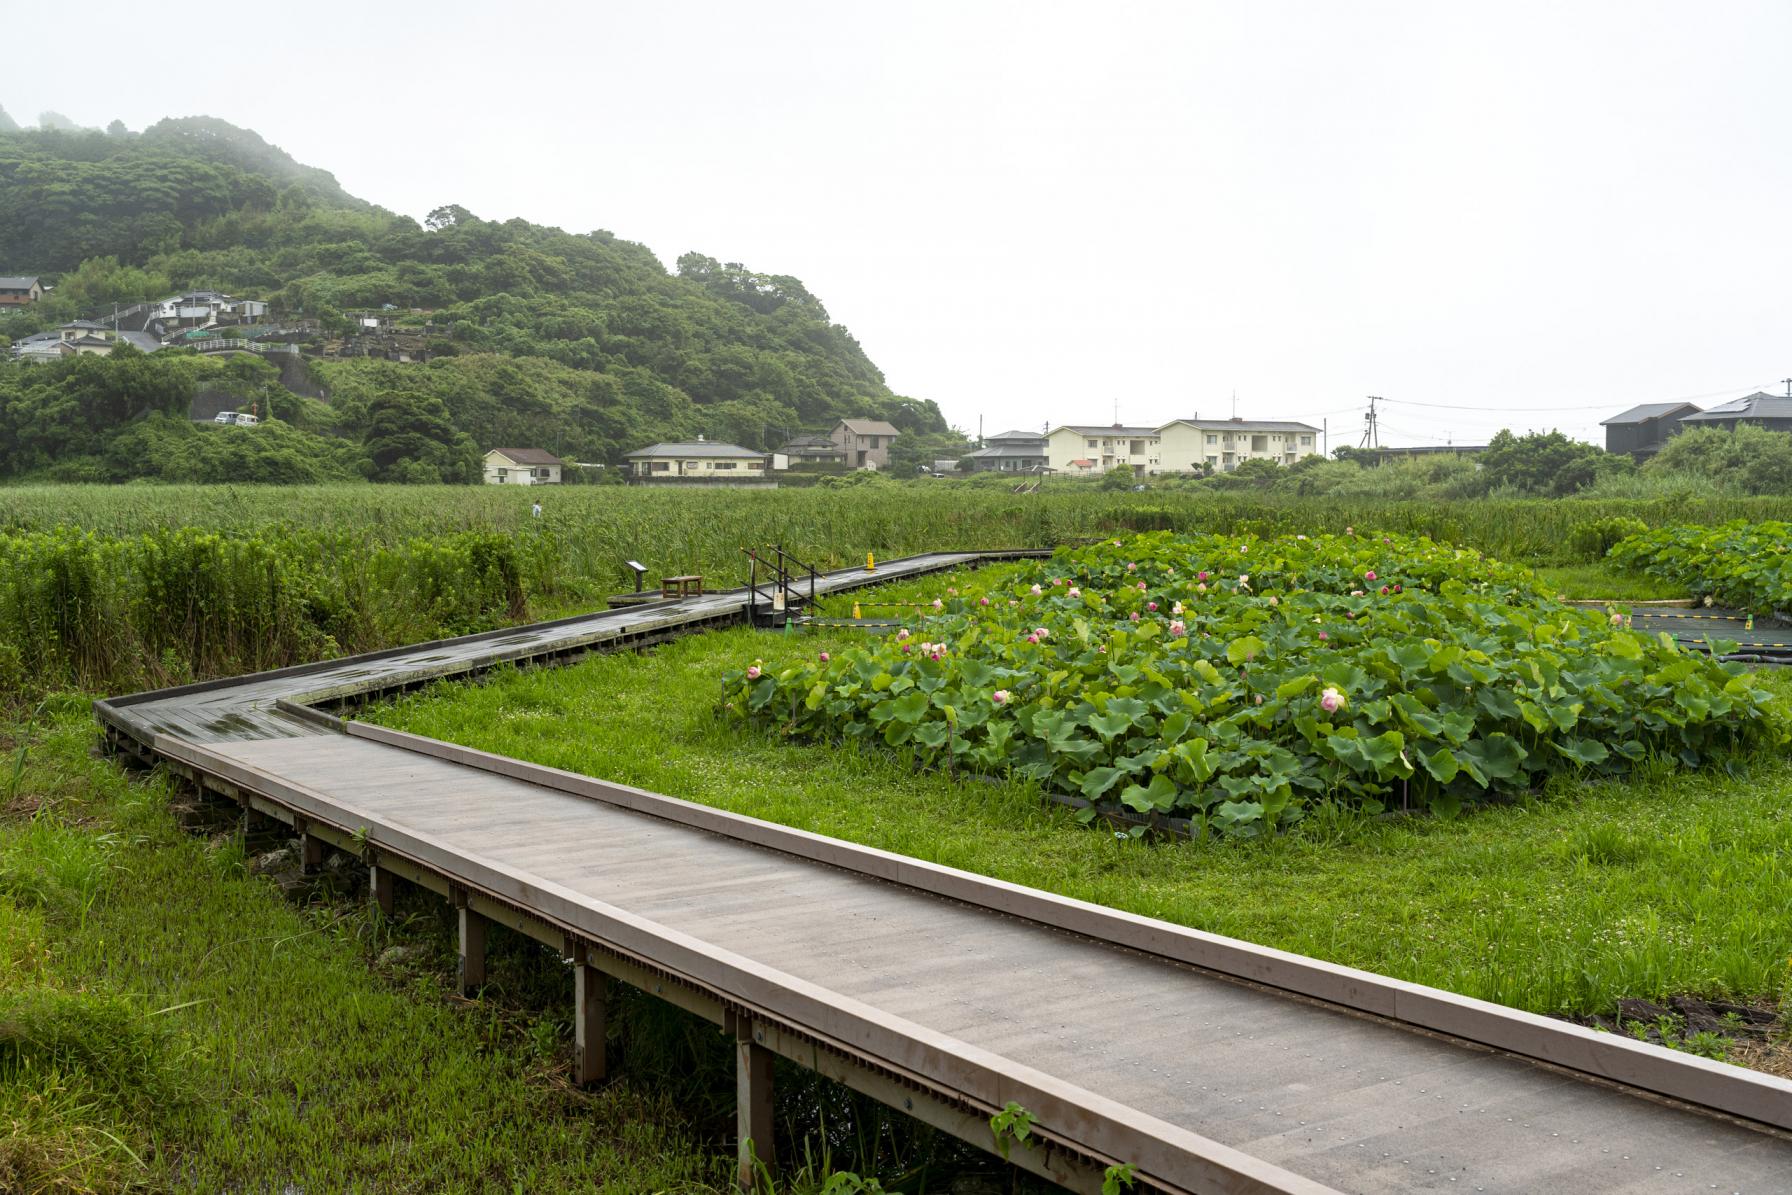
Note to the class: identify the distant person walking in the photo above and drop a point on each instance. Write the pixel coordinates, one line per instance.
(536, 509)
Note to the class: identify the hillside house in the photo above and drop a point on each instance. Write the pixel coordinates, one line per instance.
(1642, 430)
(1771, 411)
(695, 460)
(522, 466)
(1012, 452)
(1221, 445)
(20, 291)
(812, 451)
(1087, 450)
(865, 442)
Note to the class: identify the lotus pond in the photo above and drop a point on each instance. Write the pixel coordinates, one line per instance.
(1235, 682)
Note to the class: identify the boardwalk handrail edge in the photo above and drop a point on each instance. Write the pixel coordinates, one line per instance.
(1748, 1094)
(1166, 1155)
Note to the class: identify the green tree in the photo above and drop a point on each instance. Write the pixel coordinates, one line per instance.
(1547, 464)
(1749, 459)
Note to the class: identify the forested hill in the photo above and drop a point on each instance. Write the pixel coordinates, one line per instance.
(581, 343)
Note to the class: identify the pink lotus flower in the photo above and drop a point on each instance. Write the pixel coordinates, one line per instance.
(1201, 576)
(1384, 591)
(903, 633)
(1300, 537)
(1041, 632)
(1000, 697)
(905, 647)
(1244, 580)
(1201, 588)
(1075, 592)
(1151, 606)
(1259, 699)
(824, 657)
(1331, 701)
(937, 655)
(1176, 628)
(1350, 531)
(1369, 576)
(1132, 568)
(1037, 591)
(983, 601)
(1356, 593)
(1244, 547)
(1397, 589)
(1141, 587)
(937, 604)
(952, 590)
(1013, 602)
(1323, 636)
(1274, 600)
(753, 672)
(1617, 619)
(1134, 616)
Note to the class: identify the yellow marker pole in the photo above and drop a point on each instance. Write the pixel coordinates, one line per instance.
(870, 564)
(855, 611)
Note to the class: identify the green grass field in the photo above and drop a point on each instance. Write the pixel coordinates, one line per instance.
(1560, 904)
(169, 1021)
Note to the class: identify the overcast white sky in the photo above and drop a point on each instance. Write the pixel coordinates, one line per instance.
(1524, 214)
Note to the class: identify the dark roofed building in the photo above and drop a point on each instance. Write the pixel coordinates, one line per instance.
(1771, 411)
(813, 450)
(1642, 430)
(1012, 452)
(20, 291)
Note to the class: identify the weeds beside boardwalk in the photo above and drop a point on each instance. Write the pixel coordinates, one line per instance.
(169, 1022)
(1564, 903)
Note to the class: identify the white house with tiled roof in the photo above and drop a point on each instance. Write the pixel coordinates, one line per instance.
(1221, 445)
(522, 466)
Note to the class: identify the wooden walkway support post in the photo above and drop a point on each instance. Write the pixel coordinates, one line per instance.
(472, 945)
(381, 886)
(752, 1103)
(590, 995)
(311, 848)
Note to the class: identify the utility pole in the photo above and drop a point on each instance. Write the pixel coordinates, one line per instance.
(1788, 382)
(1371, 437)
(1325, 437)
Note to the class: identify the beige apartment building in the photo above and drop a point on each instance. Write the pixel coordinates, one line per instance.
(1081, 450)
(1180, 446)
(1222, 445)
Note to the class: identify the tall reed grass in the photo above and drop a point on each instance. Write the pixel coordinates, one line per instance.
(112, 587)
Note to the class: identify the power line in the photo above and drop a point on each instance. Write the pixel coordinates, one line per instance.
(1602, 406)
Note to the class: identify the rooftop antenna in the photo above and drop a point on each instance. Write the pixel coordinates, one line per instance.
(1788, 382)
(1234, 402)
(1371, 437)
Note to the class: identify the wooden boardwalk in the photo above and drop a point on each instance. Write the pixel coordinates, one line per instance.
(1206, 1063)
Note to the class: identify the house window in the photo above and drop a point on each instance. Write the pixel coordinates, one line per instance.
(1212, 439)
(1094, 444)
(755, 464)
(503, 473)
(1306, 441)
(723, 465)
(542, 473)
(1137, 448)
(660, 466)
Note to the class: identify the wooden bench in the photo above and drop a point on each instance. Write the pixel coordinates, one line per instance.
(691, 586)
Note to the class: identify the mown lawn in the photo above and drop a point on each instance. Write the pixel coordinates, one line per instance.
(1674, 883)
(171, 1021)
